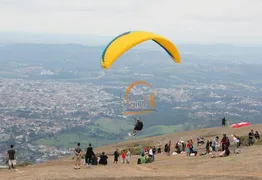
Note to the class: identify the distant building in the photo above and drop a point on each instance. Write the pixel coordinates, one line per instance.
(47, 72)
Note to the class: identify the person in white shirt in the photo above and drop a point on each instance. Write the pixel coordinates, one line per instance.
(235, 142)
(151, 154)
(128, 156)
(215, 144)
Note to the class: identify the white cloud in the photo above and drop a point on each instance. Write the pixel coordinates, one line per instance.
(228, 21)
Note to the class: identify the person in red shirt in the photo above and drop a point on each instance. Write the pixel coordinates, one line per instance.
(225, 142)
(123, 156)
(146, 150)
(188, 146)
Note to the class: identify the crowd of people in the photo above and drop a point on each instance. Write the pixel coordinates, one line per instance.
(147, 155)
(89, 157)
(214, 146)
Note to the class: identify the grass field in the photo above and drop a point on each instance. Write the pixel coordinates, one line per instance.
(159, 130)
(69, 140)
(105, 133)
(114, 126)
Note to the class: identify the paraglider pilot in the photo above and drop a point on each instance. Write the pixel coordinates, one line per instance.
(138, 125)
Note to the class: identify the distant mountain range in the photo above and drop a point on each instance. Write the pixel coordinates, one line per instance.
(246, 53)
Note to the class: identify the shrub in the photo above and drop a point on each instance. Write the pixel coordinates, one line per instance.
(24, 164)
(135, 149)
(244, 141)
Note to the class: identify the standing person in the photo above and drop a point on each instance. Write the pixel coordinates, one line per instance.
(224, 122)
(166, 148)
(150, 154)
(239, 141)
(183, 146)
(235, 142)
(207, 147)
(116, 155)
(215, 144)
(158, 148)
(169, 147)
(188, 148)
(251, 136)
(178, 147)
(142, 152)
(123, 156)
(10, 155)
(257, 136)
(192, 148)
(78, 154)
(89, 154)
(225, 142)
(128, 156)
(154, 152)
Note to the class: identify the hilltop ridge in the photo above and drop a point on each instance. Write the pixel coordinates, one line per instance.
(165, 167)
(207, 133)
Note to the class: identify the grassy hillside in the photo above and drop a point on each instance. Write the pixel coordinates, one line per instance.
(247, 164)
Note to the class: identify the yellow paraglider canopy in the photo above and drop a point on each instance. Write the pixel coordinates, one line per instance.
(122, 43)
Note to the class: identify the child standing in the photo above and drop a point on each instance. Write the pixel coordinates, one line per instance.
(123, 156)
(128, 157)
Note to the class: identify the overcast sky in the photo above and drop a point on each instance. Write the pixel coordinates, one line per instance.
(212, 21)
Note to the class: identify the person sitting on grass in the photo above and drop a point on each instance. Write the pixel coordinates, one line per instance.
(94, 160)
(224, 153)
(103, 159)
(192, 148)
(142, 159)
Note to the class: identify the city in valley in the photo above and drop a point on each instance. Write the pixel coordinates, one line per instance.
(46, 118)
